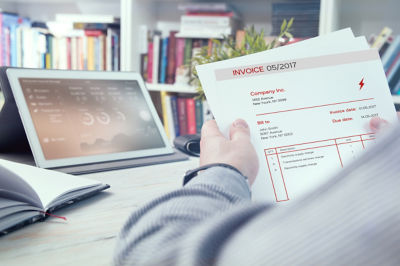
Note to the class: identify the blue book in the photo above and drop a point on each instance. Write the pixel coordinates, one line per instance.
(394, 74)
(390, 55)
(174, 108)
(395, 78)
(396, 89)
(9, 46)
(115, 52)
(164, 61)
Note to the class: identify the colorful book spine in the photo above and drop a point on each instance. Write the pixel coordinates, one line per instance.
(191, 116)
(170, 118)
(188, 52)
(156, 57)
(164, 61)
(90, 53)
(182, 116)
(199, 115)
(164, 105)
(171, 58)
(175, 116)
(150, 63)
(180, 52)
(390, 55)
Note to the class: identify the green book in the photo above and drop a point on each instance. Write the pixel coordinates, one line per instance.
(199, 115)
(188, 52)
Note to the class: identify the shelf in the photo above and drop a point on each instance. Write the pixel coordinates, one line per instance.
(396, 99)
(171, 88)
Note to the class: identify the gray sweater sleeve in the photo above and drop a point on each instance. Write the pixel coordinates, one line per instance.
(155, 234)
(354, 219)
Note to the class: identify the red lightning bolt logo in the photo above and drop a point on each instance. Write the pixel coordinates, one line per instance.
(361, 83)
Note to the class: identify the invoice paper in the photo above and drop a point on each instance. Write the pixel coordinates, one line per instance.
(308, 116)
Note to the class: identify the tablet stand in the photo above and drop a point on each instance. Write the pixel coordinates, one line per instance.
(12, 133)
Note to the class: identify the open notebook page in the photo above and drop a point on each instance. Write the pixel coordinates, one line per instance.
(48, 184)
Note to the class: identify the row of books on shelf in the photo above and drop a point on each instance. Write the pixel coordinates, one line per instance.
(389, 50)
(167, 57)
(60, 44)
(182, 115)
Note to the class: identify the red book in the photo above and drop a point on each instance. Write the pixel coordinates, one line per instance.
(181, 102)
(171, 58)
(191, 116)
(180, 52)
(150, 63)
(69, 55)
(93, 33)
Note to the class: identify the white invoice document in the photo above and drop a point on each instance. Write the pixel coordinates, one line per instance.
(308, 115)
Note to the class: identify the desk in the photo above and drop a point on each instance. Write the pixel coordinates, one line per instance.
(88, 236)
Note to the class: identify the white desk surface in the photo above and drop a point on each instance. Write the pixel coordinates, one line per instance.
(88, 236)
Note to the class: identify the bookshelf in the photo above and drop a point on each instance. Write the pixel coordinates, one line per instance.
(365, 17)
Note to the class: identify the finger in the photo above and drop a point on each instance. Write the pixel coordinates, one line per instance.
(377, 124)
(239, 130)
(210, 129)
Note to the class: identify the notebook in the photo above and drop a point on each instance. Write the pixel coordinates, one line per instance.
(29, 194)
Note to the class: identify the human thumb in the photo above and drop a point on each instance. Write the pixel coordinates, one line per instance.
(239, 130)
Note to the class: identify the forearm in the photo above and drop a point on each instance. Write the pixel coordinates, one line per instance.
(152, 234)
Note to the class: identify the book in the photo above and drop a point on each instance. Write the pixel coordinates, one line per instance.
(150, 63)
(382, 38)
(172, 47)
(175, 116)
(390, 55)
(182, 116)
(156, 57)
(392, 71)
(29, 194)
(394, 76)
(165, 103)
(190, 116)
(163, 61)
(170, 118)
(199, 115)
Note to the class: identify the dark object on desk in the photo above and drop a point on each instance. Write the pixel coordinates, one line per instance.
(12, 133)
(25, 193)
(189, 144)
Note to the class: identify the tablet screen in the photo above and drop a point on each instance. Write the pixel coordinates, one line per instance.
(76, 117)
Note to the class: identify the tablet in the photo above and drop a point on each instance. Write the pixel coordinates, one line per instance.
(82, 117)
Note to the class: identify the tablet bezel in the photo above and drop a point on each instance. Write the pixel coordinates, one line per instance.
(14, 74)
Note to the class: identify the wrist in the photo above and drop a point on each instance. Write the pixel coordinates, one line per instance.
(194, 172)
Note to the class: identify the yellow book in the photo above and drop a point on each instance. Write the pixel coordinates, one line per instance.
(90, 53)
(382, 38)
(164, 107)
(48, 61)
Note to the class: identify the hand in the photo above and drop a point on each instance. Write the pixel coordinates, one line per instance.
(237, 151)
(378, 124)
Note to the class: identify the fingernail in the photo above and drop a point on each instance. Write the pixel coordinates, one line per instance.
(240, 124)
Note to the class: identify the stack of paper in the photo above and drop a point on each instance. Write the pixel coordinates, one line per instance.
(308, 106)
